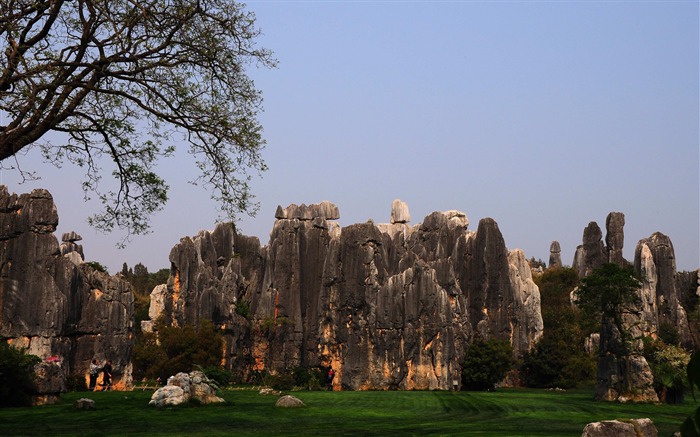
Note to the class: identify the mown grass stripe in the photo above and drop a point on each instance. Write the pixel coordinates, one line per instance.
(513, 412)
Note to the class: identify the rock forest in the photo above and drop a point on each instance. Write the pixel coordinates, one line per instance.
(386, 306)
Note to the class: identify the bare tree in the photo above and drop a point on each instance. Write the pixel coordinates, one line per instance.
(121, 79)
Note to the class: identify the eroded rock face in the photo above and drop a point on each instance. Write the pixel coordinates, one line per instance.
(386, 306)
(592, 253)
(615, 237)
(623, 373)
(555, 255)
(53, 305)
(655, 263)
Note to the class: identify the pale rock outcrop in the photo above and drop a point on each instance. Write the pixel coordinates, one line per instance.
(399, 212)
(617, 428)
(325, 210)
(289, 401)
(529, 327)
(170, 395)
(182, 387)
(655, 263)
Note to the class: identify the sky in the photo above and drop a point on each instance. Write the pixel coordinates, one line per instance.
(543, 115)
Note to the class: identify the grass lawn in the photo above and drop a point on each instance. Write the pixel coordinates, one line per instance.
(510, 412)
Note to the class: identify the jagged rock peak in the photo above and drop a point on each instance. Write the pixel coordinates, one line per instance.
(554, 255)
(399, 212)
(325, 210)
(615, 237)
(71, 237)
(438, 219)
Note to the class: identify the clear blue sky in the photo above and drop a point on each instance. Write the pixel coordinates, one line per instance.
(542, 115)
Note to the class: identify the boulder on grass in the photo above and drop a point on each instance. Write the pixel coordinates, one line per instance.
(289, 401)
(168, 396)
(185, 386)
(617, 428)
(84, 404)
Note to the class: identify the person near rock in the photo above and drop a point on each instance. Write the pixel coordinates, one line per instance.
(94, 373)
(107, 375)
(329, 379)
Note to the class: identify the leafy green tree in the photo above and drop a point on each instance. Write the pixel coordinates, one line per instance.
(559, 359)
(691, 425)
(606, 294)
(176, 349)
(668, 364)
(120, 81)
(486, 362)
(16, 375)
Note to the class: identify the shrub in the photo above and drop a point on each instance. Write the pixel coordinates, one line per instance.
(559, 359)
(221, 376)
(97, 266)
(243, 308)
(76, 382)
(486, 363)
(176, 349)
(282, 381)
(669, 334)
(16, 375)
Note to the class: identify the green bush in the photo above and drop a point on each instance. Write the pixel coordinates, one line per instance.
(16, 375)
(76, 382)
(486, 363)
(669, 334)
(176, 349)
(243, 308)
(222, 377)
(282, 381)
(97, 266)
(558, 359)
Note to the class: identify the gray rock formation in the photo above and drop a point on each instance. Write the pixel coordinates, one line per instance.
(623, 373)
(592, 253)
(386, 306)
(49, 383)
(655, 263)
(69, 247)
(555, 255)
(615, 237)
(52, 306)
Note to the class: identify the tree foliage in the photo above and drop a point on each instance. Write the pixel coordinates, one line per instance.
(16, 375)
(668, 364)
(559, 359)
(691, 426)
(486, 363)
(117, 80)
(176, 349)
(607, 293)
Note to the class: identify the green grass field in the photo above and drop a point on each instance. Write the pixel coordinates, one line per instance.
(511, 412)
